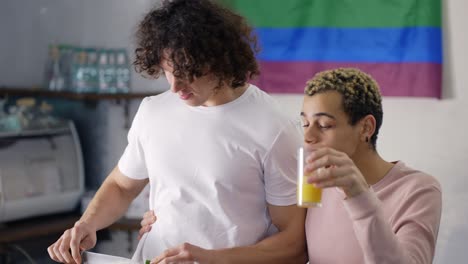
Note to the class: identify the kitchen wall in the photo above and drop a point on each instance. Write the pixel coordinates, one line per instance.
(428, 134)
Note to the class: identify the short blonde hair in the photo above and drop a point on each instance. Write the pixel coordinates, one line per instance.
(360, 93)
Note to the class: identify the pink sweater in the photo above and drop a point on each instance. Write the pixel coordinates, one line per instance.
(397, 221)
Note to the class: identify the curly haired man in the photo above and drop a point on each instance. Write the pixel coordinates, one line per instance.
(217, 152)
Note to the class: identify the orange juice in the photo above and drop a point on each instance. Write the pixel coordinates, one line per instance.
(308, 195)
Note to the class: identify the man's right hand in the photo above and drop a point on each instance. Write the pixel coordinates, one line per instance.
(74, 240)
(149, 218)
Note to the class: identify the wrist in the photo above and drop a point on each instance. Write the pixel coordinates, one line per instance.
(353, 192)
(86, 224)
(216, 256)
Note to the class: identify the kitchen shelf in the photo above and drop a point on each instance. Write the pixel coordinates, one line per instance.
(90, 99)
(70, 95)
(33, 133)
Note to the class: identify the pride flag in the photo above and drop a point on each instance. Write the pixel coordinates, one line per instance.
(399, 42)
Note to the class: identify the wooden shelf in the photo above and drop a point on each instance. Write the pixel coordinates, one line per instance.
(70, 95)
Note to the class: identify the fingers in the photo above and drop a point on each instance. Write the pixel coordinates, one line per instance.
(325, 174)
(146, 215)
(325, 158)
(180, 254)
(59, 250)
(68, 247)
(52, 254)
(166, 254)
(343, 182)
(75, 246)
(148, 219)
(143, 230)
(64, 248)
(182, 257)
(320, 152)
(347, 177)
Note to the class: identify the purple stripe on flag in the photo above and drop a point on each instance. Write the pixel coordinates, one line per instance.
(395, 79)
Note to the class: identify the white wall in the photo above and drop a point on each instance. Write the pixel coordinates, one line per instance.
(27, 27)
(428, 134)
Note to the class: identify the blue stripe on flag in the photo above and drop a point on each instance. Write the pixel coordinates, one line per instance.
(410, 44)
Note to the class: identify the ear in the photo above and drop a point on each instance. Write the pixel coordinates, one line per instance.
(367, 127)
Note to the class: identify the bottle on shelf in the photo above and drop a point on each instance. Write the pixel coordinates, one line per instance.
(54, 79)
(66, 57)
(91, 71)
(78, 71)
(106, 70)
(123, 75)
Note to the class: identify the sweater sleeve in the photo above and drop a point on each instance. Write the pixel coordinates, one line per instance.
(410, 236)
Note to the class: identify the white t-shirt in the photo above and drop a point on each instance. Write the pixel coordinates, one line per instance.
(212, 170)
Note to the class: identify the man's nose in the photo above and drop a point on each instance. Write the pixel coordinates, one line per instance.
(310, 136)
(177, 85)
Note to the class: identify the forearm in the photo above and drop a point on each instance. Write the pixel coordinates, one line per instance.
(110, 202)
(279, 248)
(107, 206)
(376, 239)
(286, 246)
(413, 243)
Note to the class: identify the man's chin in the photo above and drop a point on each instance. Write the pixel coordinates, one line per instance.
(192, 103)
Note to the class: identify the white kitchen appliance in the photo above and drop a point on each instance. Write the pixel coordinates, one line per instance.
(41, 172)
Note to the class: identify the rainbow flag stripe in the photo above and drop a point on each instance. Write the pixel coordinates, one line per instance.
(398, 42)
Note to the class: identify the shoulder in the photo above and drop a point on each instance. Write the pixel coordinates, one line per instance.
(150, 107)
(166, 97)
(271, 123)
(415, 196)
(156, 105)
(416, 178)
(267, 108)
(263, 99)
(412, 186)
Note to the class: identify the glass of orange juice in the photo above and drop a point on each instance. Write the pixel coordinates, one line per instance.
(307, 194)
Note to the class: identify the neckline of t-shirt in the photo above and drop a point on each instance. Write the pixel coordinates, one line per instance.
(219, 108)
(397, 167)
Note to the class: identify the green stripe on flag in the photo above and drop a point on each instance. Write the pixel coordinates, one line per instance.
(338, 13)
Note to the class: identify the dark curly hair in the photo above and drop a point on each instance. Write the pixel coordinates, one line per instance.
(360, 93)
(200, 37)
